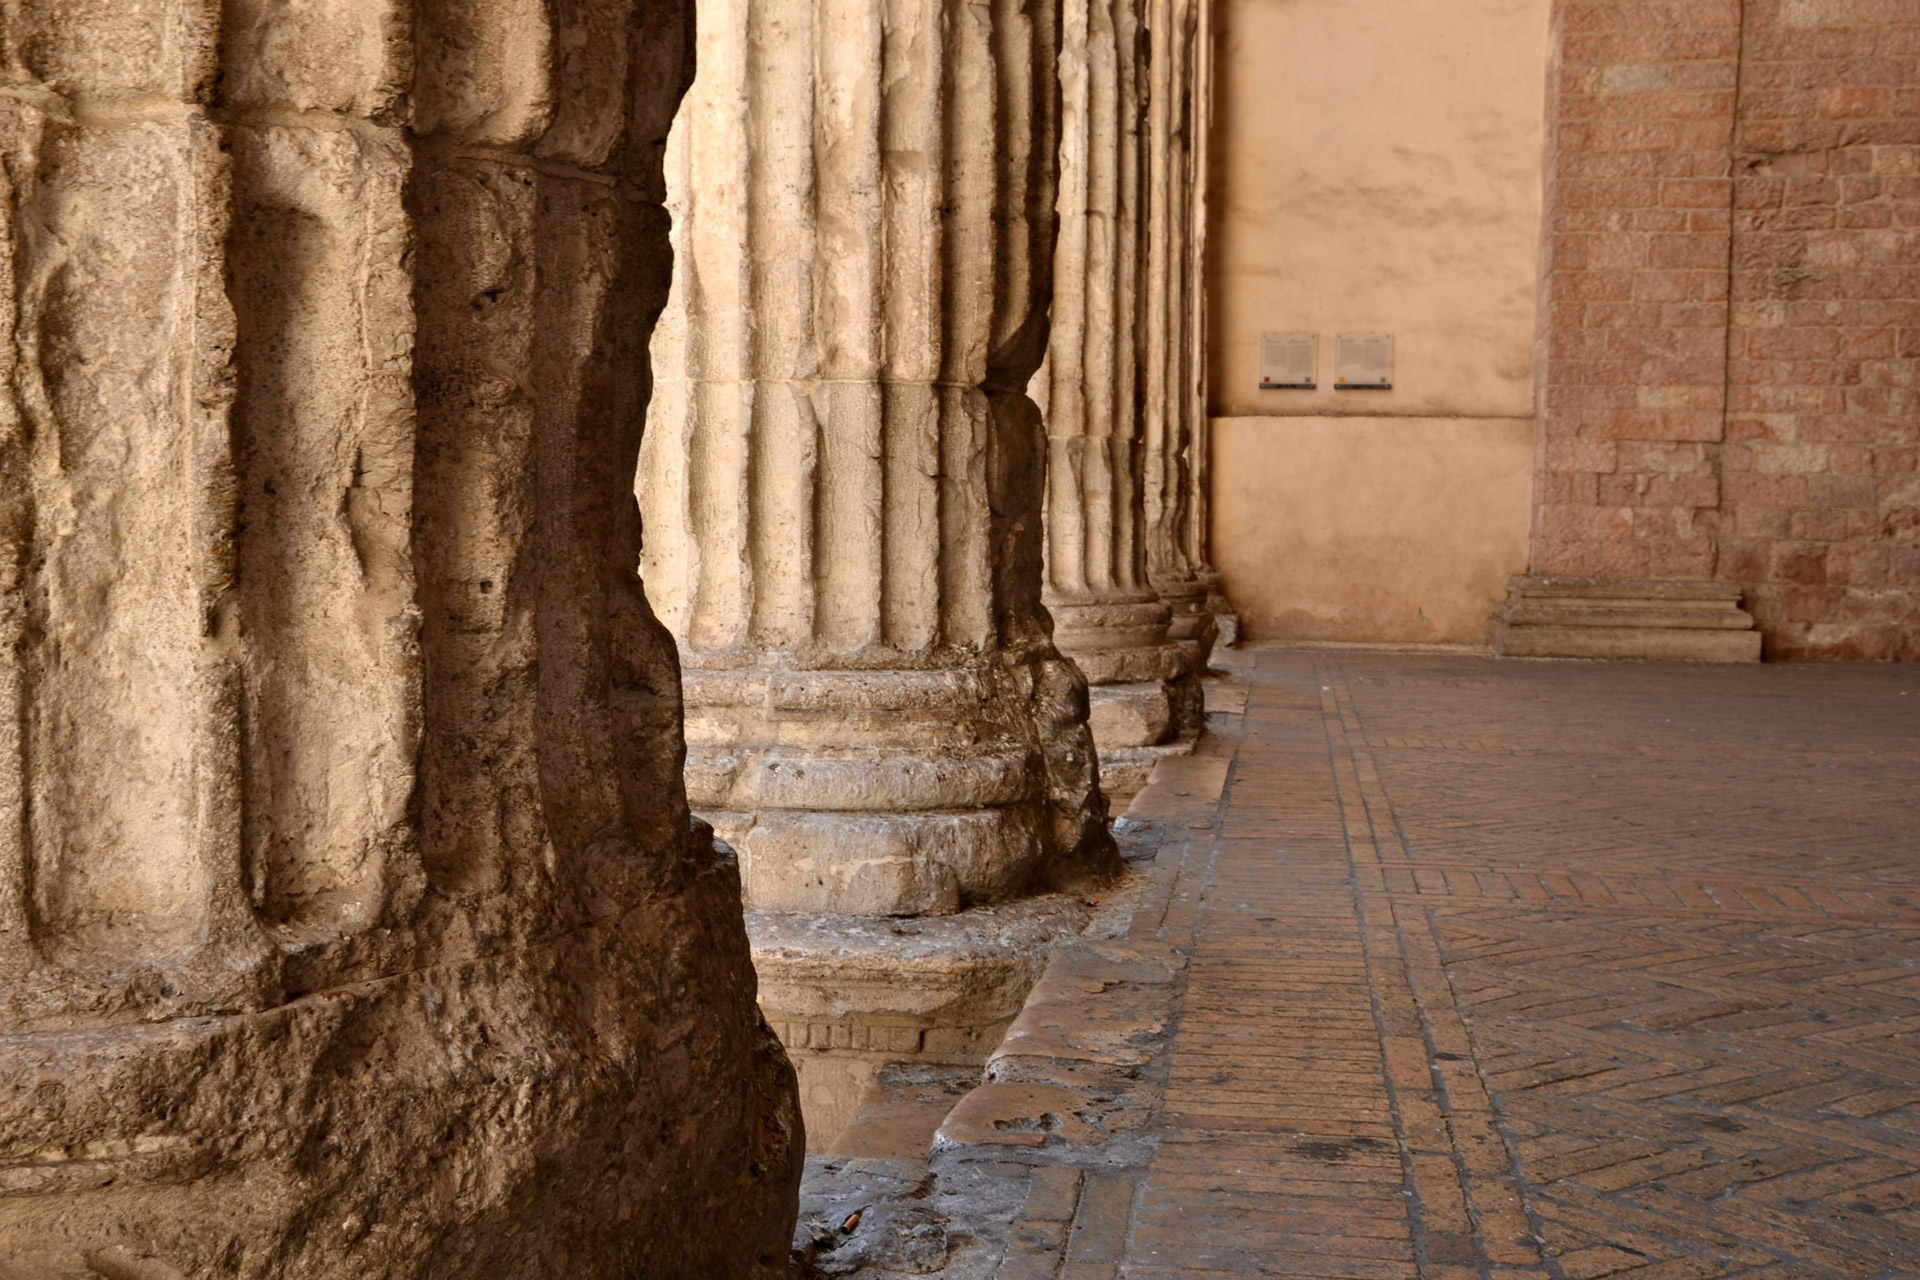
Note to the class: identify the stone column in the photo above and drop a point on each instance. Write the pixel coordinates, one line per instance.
(842, 493)
(1169, 369)
(1106, 615)
(1199, 471)
(351, 918)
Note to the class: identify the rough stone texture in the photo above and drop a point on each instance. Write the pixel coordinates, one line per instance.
(1171, 371)
(352, 922)
(842, 481)
(1820, 473)
(1106, 615)
(1730, 317)
(1673, 619)
(852, 994)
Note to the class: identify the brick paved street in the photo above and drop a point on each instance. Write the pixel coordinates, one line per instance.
(1551, 969)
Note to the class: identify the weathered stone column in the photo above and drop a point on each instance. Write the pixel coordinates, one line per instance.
(351, 918)
(842, 493)
(1200, 451)
(1170, 370)
(1106, 615)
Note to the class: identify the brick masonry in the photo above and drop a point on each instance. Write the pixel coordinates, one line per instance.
(1730, 309)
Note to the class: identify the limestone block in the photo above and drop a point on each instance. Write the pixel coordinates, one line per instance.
(1126, 771)
(352, 919)
(1019, 1115)
(324, 55)
(1101, 1000)
(485, 72)
(98, 48)
(1133, 714)
(851, 994)
(116, 356)
(969, 969)
(330, 664)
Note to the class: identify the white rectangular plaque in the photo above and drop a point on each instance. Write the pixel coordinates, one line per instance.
(1363, 362)
(1288, 361)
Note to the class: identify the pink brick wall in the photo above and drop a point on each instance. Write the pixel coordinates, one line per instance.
(1730, 309)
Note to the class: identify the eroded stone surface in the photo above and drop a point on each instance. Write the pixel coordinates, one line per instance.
(849, 994)
(1173, 373)
(351, 918)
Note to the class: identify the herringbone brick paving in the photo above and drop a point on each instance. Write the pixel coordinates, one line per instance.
(1552, 969)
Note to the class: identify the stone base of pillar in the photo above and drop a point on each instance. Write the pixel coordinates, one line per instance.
(1192, 627)
(1129, 715)
(1124, 770)
(490, 1115)
(1226, 622)
(1678, 620)
(894, 792)
(1143, 693)
(849, 994)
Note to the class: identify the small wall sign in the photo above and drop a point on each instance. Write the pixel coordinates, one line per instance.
(1288, 361)
(1363, 362)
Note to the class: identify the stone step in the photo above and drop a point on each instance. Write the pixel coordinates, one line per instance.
(1684, 620)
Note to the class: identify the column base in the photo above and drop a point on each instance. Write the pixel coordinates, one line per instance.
(897, 792)
(1142, 690)
(849, 994)
(1128, 715)
(509, 1114)
(1226, 622)
(1192, 626)
(1673, 620)
(1124, 770)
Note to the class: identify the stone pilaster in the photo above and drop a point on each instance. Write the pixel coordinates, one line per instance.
(842, 494)
(351, 917)
(1106, 615)
(1171, 289)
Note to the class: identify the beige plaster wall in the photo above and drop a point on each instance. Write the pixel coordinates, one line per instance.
(1377, 167)
(1391, 530)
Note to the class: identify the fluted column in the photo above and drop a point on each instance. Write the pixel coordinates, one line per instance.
(351, 918)
(1106, 615)
(1200, 451)
(842, 490)
(1171, 287)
